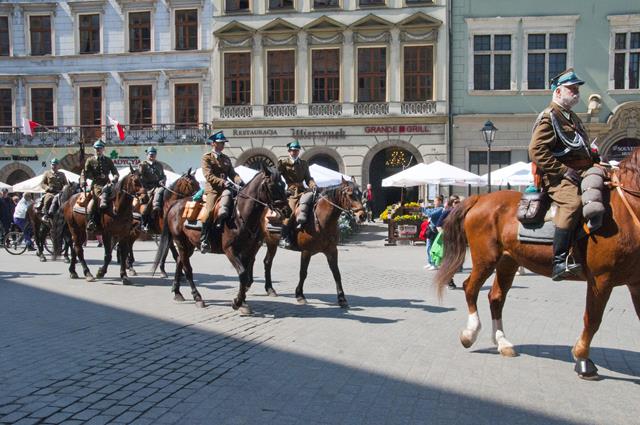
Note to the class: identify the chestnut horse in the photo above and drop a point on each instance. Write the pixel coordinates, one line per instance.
(320, 234)
(488, 224)
(115, 227)
(239, 239)
(186, 185)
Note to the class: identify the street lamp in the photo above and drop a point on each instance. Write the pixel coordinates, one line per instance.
(489, 134)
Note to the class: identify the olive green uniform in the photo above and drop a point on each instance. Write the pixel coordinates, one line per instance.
(216, 169)
(153, 178)
(553, 159)
(97, 169)
(52, 183)
(295, 173)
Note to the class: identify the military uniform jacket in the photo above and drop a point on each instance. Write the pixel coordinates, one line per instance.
(53, 181)
(216, 170)
(547, 150)
(152, 174)
(98, 169)
(295, 173)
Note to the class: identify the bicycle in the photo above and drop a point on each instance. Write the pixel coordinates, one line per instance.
(15, 244)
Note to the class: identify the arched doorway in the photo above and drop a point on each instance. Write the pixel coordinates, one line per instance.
(386, 162)
(17, 176)
(256, 157)
(257, 161)
(620, 149)
(325, 161)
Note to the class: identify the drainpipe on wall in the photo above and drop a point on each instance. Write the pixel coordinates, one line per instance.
(449, 84)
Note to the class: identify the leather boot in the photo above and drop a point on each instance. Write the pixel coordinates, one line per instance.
(93, 217)
(561, 268)
(205, 237)
(287, 236)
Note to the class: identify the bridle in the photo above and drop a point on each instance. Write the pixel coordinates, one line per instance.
(178, 194)
(349, 211)
(263, 188)
(615, 182)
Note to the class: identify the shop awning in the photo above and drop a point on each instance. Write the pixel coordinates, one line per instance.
(33, 184)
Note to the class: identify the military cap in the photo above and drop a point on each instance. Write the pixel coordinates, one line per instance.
(218, 136)
(152, 150)
(55, 161)
(98, 144)
(293, 145)
(567, 77)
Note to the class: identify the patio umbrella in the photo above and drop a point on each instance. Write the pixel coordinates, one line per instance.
(436, 172)
(325, 177)
(518, 174)
(171, 176)
(33, 184)
(5, 186)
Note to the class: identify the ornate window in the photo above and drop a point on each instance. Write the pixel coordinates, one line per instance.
(372, 74)
(4, 36)
(546, 58)
(187, 29)
(140, 106)
(236, 5)
(6, 108)
(91, 112)
(418, 73)
(89, 33)
(40, 34)
(139, 31)
(492, 52)
(42, 106)
(325, 64)
(237, 78)
(626, 67)
(186, 104)
(281, 65)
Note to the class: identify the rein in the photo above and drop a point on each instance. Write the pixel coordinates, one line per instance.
(178, 194)
(615, 182)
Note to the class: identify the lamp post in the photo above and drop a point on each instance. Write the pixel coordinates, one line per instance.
(489, 134)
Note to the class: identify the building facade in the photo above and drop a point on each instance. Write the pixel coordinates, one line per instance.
(362, 84)
(504, 54)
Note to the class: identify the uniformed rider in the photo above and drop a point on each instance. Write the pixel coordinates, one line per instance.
(53, 181)
(97, 169)
(153, 180)
(296, 172)
(217, 170)
(560, 149)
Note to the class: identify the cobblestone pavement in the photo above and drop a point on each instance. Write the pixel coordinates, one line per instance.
(78, 352)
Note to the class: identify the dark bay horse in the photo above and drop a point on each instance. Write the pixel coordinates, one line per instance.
(320, 234)
(116, 224)
(41, 229)
(185, 186)
(488, 224)
(240, 237)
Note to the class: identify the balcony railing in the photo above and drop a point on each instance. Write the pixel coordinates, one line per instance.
(188, 133)
(277, 111)
(371, 109)
(236, 111)
(428, 107)
(325, 109)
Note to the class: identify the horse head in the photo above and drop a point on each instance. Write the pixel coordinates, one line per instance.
(352, 199)
(186, 185)
(130, 186)
(629, 170)
(269, 188)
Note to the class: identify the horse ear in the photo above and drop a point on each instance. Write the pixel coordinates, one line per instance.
(189, 171)
(131, 168)
(265, 169)
(343, 180)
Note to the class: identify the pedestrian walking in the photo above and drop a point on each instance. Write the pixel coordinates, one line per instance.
(433, 214)
(20, 219)
(368, 200)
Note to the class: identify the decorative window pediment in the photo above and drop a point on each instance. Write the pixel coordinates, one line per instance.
(371, 23)
(88, 77)
(192, 73)
(235, 34)
(324, 24)
(185, 3)
(419, 21)
(279, 26)
(133, 76)
(133, 5)
(39, 7)
(41, 79)
(87, 6)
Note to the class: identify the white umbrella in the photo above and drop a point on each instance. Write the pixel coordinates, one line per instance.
(325, 177)
(5, 186)
(518, 174)
(33, 185)
(171, 176)
(245, 173)
(436, 172)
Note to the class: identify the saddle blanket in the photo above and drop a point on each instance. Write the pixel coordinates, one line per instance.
(271, 228)
(137, 216)
(79, 210)
(193, 225)
(541, 233)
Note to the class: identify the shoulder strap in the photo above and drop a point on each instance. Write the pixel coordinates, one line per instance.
(546, 111)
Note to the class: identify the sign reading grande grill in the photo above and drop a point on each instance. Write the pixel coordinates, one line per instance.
(401, 129)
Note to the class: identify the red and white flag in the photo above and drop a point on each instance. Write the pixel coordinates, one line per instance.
(28, 126)
(117, 127)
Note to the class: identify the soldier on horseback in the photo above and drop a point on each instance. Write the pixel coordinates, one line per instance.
(296, 172)
(559, 148)
(217, 168)
(153, 180)
(98, 169)
(52, 182)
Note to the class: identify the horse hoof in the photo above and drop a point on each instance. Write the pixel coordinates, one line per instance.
(132, 272)
(234, 305)
(73, 275)
(164, 275)
(200, 304)
(43, 259)
(301, 300)
(67, 260)
(178, 297)
(343, 303)
(126, 281)
(272, 292)
(100, 275)
(507, 351)
(245, 310)
(586, 370)
(465, 340)
(90, 278)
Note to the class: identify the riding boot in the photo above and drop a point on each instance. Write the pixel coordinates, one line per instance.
(93, 216)
(287, 236)
(145, 223)
(205, 237)
(562, 269)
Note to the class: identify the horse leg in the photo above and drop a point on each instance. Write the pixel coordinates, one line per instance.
(305, 257)
(480, 272)
(175, 288)
(332, 259)
(188, 272)
(72, 263)
(598, 292)
(505, 272)
(174, 253)
(78, 243)
(130, 260)
(108, 248)
(268, 262)
(125, 249)
(635, 297)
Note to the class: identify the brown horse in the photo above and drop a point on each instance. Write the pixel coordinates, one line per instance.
(319, 235)
(488, 224)
(239, 239)
(185, 186)
(115, 226)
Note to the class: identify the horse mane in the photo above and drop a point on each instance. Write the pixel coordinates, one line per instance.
(189, 176)
(630, 168)
(331, 191)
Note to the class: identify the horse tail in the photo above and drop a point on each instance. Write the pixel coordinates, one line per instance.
(163, 246)
(455, 244)
(57, 232)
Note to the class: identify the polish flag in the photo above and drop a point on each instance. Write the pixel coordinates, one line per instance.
(117, 127)
(28, 126)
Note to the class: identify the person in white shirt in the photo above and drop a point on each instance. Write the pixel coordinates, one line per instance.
(20, 219)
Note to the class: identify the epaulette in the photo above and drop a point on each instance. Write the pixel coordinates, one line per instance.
(545, 111)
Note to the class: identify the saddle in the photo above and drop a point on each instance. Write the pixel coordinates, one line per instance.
(82, 201)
